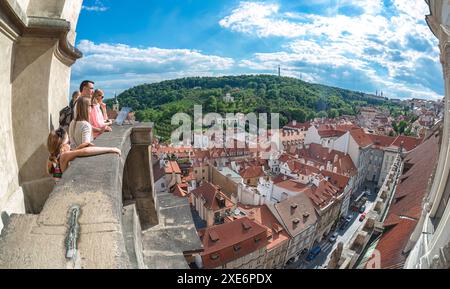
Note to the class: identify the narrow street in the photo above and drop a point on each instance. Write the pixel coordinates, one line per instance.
(321, 261)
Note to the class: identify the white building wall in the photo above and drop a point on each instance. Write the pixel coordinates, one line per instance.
(342, 143)
(312, 136)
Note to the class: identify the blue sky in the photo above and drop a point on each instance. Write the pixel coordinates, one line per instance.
(363, 45)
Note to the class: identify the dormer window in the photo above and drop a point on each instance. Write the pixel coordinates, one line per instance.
(237, 248)
(214, 256)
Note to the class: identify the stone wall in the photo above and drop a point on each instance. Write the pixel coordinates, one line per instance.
(111, 235)
(36, 48)
(11, 195)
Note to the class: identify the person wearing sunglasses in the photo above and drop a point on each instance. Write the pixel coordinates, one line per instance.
(96, 118)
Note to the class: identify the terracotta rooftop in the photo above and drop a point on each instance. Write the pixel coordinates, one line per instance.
(331, 133)
(230, 241)
(339, 181)
(318, 154)
(252, 172)
(298, 125)
(361, 138)
(296, 213)
(262, 215)
(406, 207)
(211, 194)
(291, 185)
(172, 167)
(180, 190)
(297, 167)
(381, 141)
(324, 194)
(409, 143)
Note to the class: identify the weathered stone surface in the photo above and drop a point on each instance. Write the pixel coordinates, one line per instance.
(95, 184)
(164, 244)
(110, 234)
(36, 54)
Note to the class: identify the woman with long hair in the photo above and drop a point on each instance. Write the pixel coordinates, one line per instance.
(80, 130)
(60, 154)
(96, 115)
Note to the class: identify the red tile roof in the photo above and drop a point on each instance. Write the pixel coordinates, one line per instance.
(304, 126)
(172, 167)
(211, 193)
(298, 168)
(381, 141)
(297, 214)
(408, 143)
(331, 133)
(231, 241)
(252, 172)
(361, 138)
(406, 207)
(339, 181)
(263, 216)
(323, 195)
(291, 185)
(180, 190)
(321, 155)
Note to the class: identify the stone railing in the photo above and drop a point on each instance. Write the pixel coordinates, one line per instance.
(116, 201)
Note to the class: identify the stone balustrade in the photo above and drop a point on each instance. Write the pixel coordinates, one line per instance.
(123, 223)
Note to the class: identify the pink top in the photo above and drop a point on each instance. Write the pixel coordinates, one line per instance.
(103, 110)
(96, 119)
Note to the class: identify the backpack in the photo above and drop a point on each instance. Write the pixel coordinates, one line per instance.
(65, 116)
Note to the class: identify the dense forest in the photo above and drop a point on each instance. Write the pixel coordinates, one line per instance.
(292, 98)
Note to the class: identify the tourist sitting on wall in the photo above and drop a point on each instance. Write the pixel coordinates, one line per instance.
(96, 118)
(61, 154)
(80, 129)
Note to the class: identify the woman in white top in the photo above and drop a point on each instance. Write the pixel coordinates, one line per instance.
(80, 130)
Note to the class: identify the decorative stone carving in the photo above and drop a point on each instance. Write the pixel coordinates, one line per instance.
(441, 261)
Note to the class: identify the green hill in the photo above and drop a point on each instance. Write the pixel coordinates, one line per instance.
(292, 98)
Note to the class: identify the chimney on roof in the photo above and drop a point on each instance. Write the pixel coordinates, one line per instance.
(246, 225)
(306, 216)
(213, 236)
(296, 221)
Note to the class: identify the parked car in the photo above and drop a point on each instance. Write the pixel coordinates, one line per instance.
(333, 237)
(349, 218)
(362, 209)
(313, 253)
(363, 216)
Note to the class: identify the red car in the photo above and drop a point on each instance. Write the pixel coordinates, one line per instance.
(363, 216)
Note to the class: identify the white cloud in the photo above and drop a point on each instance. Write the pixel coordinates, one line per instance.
(96, 6)
(383, 48)
(119, 66)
